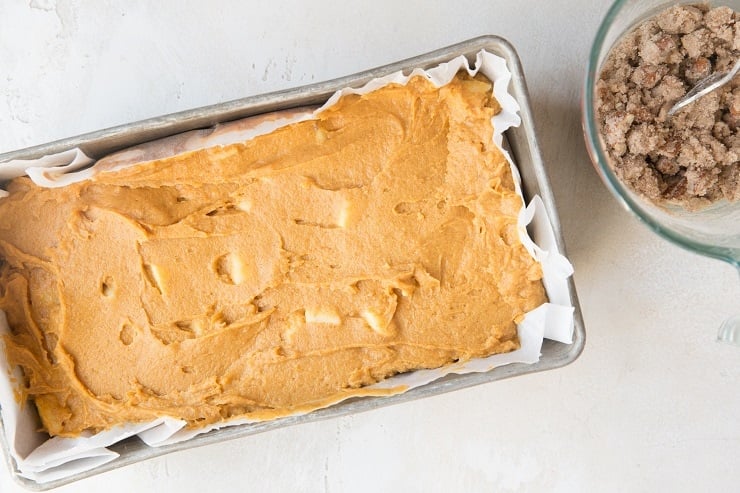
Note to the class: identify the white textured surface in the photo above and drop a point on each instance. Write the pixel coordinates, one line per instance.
(653, 404)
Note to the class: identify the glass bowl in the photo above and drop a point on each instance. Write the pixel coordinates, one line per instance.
(714, 231)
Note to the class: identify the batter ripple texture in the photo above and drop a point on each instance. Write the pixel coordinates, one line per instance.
(272, 276)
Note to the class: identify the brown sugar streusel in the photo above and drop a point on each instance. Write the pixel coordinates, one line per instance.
(690, 159)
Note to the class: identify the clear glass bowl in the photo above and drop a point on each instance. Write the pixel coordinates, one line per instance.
(715, 231)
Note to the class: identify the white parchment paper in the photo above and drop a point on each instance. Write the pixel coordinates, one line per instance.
(45, 459)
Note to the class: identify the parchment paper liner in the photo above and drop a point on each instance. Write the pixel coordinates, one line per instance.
(43, 459)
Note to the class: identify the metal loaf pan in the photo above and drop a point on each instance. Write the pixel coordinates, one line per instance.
(525, 151)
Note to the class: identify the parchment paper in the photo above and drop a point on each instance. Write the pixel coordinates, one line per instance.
(45, 459)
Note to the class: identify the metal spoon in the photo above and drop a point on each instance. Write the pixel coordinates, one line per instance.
(705, 86)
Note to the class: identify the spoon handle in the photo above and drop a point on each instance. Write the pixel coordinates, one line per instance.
(705, 86)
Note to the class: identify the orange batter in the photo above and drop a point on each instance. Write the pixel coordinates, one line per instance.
(275, 275)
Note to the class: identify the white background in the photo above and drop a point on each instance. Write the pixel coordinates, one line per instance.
(653, 404)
